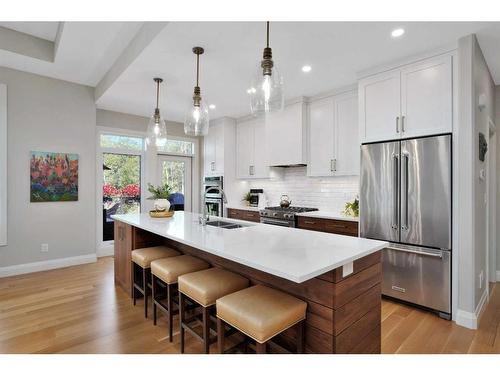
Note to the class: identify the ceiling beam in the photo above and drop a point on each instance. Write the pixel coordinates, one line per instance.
(144, 37)
(26, 45)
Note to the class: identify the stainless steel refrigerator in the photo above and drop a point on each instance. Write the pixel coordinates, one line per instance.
(405, 199)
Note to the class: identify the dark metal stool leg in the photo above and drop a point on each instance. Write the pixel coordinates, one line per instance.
(134, 298)
(301, 337)
(206, 330)
(181, 319)
(145, 288)
(153, 297)
(220, 336)
(170, 312)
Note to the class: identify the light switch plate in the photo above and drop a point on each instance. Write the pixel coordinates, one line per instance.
(347, 269)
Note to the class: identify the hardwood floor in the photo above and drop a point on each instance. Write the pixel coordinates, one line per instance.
(78, 310)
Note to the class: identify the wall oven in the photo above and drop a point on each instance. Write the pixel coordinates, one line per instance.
(214, 200)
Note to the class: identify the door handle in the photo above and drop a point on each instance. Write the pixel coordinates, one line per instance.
(397, 124)
(423, 253)
(405, 179)
(395, 187)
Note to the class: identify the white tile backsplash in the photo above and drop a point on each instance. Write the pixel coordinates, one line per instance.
(325, 193)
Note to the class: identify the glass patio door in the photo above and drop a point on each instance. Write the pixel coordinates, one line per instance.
(176, 171)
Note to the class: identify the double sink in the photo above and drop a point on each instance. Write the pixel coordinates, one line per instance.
(225, 224)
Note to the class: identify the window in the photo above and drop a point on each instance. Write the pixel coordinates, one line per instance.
(177, 146)
(121, 142)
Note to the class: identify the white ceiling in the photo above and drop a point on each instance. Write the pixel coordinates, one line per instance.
(43, 30)
(85, 52)
(335, 50)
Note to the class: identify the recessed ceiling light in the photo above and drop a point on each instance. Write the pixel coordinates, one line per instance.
(396, 33)
(211, 106)
(306, 68)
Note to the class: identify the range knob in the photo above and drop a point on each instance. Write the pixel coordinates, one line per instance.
(275, 214)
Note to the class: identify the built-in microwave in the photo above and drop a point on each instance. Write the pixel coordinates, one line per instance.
(214, 199)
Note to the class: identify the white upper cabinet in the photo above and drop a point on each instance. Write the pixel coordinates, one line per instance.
(321, 138)
(380, 106)
(216, 144)
(251, 150)
(415, 100)
(209, 145)
(426, 97)
(334, 136)
(346, 161)
(286, 136)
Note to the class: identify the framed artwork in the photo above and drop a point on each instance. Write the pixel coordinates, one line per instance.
(54, 177)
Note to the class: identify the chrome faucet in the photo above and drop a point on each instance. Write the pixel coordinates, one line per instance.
(205, 218)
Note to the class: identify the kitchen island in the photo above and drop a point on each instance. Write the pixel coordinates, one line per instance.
(338, 276)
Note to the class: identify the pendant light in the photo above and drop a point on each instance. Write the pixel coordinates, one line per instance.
(266, 92)
(197, 118)
(157, 129)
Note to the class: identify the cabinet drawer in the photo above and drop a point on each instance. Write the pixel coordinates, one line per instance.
(233, 213)
(349, 228)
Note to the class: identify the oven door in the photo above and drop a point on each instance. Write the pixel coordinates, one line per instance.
(282, 223)
(214, 207)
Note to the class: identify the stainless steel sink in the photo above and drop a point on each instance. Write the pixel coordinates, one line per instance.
(225, 224)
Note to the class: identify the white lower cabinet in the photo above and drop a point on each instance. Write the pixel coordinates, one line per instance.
(251, 161)
(334, 136)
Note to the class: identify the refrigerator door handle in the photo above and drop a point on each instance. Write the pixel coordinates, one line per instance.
(405, 191)
(419, 252)
(395, 158)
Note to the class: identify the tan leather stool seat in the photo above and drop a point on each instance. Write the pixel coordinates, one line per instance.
(143, 257)
(261, 312)
(169, 269)
(206, 286)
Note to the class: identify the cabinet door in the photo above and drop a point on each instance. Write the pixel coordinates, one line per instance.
(244, 149)
(426, 97)
(209, 152)
(260, 166)
(380, 107)
(321, 138)
(219, 150)
(347, 135)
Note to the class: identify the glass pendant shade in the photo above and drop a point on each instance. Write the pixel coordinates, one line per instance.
(156, 135)
(266, 92)
(197, 119)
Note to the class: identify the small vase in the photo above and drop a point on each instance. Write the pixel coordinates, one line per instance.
(162, 204)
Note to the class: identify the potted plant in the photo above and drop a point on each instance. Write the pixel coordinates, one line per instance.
(352, 208)
(160, 195)
(246, 198)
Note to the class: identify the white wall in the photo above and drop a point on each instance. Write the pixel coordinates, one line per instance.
(497, 123)
(45, 114)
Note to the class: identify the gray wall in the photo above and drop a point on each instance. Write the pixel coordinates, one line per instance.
(483, 84)
(45, 114)
(497, 123)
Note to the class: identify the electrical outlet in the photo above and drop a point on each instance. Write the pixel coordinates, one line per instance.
(44, 248)
(481, 279)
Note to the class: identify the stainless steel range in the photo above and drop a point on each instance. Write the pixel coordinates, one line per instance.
(286, 217)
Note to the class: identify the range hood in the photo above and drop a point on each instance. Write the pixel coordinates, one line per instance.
(286, 136)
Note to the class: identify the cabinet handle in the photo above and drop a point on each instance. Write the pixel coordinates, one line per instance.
(402, 124)
(335, 165)
(339, 226)
(309, 222)
(331, 165)
(397, 124)
(212, 165)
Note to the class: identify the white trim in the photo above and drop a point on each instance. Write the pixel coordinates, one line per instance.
(470, 320)
(3, 165)
(106, 249)
(20, 269)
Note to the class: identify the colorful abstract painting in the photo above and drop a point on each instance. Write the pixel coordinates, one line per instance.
(54, 177)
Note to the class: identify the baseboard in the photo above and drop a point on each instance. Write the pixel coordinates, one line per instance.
(105, 251)
(20, 269)
(470, 320)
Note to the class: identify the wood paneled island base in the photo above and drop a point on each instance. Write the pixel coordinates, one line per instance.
(343, 315)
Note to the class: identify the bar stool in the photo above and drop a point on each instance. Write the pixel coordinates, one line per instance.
(261, 313)
(203, 288)
(167, 271)
(141, 264)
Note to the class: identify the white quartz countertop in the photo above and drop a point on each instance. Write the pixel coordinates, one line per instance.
(293, 254)
(328, 215)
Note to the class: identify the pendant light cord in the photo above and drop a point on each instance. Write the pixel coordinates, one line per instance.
(197, 68)
(267, 26)
(157, 93)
